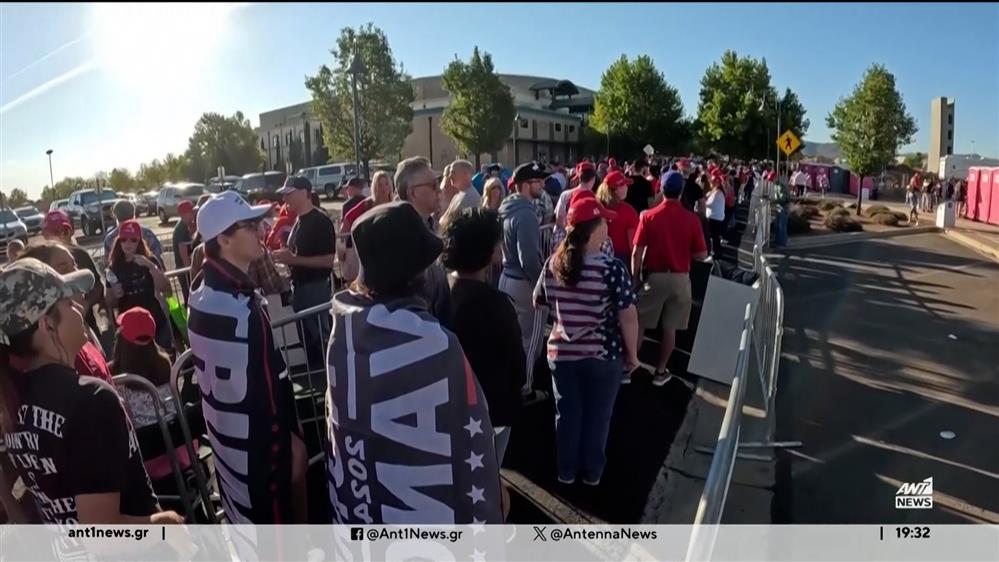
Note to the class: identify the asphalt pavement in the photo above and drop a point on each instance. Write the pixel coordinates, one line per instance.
(889, 345)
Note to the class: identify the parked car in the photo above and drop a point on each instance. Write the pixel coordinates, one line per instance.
(148, 201)
(31, 218)
(11, 227)
(59, 205)
(171, 194)
(92, 210)
(328, 180)
(257, 186)
(225, 183)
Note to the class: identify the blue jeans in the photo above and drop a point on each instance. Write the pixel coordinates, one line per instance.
(585, 391)
(780, 234)
(313, 340)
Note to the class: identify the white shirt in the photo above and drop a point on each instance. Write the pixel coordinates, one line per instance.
(561, 178)
(716, 205)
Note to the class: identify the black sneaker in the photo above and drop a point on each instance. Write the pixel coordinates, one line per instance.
(533, 397)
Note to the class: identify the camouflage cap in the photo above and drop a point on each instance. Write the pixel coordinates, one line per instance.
(29, 288)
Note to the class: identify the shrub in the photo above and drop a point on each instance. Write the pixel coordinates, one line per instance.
(877, 210)
(851, 206)
(809, 202)
(838, 211)
(797, 224)
(806, 212)
(901, 216)
(887, 219)
(828, 205)
(842, 223)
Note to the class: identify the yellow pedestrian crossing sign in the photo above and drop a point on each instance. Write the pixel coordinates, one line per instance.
(788, 142)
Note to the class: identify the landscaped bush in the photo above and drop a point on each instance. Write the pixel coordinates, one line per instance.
(838, 211)
(876, 210)
(797, 224)
(901, 216)
(828, 205)
(887, 219)
(809, 202)
(842, 223)
(806, 212)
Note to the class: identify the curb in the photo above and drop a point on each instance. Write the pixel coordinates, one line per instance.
(991, 251)
(847, 237)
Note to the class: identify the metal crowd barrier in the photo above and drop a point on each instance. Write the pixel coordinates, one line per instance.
(187, 396)
(759, 349)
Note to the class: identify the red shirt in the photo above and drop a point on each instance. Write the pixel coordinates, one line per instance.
(355, 213)
(90, 363)
(617, 229)
(671, 235)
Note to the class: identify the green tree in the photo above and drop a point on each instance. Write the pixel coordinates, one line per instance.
(17, 198)
(480, 115)
(153, 174)
(223, 140)
(871, 124)
(635, 106)
(62, 189)
(384, 92)
(914, 161)
(737, 113)
(121, 180)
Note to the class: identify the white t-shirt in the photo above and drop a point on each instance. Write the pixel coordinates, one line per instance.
(561, 178)
(716, 205)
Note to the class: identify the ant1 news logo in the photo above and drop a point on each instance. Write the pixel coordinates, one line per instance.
(915, 495)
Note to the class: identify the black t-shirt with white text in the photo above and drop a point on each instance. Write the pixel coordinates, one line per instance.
(639, 193)
(73, 438)
(140, 290)
(312, 235)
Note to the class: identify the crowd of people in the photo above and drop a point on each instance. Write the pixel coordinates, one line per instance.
(923, 194)
(430, 346)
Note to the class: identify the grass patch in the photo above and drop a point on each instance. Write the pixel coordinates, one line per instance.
(838, 211)
(804, 211)
(876, 210)
(828, 205)
(887, 219)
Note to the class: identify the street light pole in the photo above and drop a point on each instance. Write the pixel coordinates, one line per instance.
(516, 140)
(52, 181)
(356, 67)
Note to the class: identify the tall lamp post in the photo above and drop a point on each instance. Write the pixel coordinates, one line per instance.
(51, 181)
(356, 68)
(516, 140)
(763, 105)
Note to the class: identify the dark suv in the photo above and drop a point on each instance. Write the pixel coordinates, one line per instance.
(256, 187)
(87, 207)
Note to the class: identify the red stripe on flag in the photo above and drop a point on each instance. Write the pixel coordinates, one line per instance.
(469, 382)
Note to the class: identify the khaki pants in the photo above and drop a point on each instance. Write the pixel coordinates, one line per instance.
(665, 301)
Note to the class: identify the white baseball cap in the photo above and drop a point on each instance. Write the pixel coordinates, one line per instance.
(224, 210)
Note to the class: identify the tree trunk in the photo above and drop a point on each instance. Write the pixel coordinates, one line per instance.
(860, 193)
(478, 161)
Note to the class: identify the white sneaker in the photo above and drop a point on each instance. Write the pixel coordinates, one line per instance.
(626, 378)
(661, 378)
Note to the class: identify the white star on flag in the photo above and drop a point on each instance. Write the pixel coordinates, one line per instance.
(477, 526)
(477, 494)
(474, 426)
(474, 461)
(477, 556)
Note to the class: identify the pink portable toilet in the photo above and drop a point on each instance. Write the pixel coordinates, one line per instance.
(971, 194)
(993, 215)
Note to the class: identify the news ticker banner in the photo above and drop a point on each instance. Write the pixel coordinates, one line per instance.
(484, 543)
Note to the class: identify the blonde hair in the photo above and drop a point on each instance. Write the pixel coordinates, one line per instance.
(606, 195)
(379, 175)
(492, 184)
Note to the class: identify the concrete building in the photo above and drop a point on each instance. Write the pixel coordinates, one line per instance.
(549, 120)
(957, 165)
(941, 132)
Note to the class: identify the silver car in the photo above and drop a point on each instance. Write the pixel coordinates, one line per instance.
(31, 218)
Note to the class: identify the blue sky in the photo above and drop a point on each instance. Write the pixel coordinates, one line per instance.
(104, 87)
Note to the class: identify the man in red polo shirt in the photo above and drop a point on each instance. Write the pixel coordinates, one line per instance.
(668, 238)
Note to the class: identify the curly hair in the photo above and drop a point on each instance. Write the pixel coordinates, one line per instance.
(471, 238)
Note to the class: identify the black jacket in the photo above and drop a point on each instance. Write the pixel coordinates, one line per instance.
(486, 325)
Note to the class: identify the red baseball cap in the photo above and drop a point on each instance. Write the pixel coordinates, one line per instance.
(57, 220)
(130, 229)
(185, 206)
(616, 179)
(587, 209)
(137, 326)
(585, 165)
(580, 193)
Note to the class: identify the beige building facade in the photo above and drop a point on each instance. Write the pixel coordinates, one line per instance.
(550, 116)
(941, 132)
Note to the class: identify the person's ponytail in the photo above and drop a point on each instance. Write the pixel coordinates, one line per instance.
(567, 263)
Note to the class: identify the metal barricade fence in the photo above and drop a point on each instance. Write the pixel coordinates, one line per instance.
(179, 279)
(768, 331)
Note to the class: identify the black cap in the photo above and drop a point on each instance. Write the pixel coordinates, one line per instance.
(393, 245)
(529, 171)
(295, 182)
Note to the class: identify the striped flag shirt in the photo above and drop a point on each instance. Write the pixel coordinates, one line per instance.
(586, 324)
